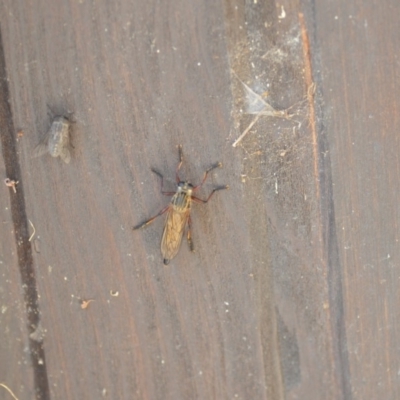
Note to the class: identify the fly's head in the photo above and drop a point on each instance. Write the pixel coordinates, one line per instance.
(186, 188)
(62, 119)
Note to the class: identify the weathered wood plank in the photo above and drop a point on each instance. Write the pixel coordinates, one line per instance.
(15, 362)
(138, 83)
(361, 122)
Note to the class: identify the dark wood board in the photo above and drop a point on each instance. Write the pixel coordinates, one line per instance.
(292, 290)
(360, 92)
(15, 368)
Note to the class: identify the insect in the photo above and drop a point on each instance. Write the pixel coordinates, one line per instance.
(179, 212)
(56, 141)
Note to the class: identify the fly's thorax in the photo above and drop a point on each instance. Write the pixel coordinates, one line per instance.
(182, 199)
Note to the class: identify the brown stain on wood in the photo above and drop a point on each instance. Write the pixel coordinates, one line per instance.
(310, 97)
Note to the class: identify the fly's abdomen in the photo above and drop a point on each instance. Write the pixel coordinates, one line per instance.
(173, 233)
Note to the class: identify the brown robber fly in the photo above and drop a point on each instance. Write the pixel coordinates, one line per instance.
(179, 212)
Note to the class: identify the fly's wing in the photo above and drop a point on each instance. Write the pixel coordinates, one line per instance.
(59, 138)
(42, 147)
(65, 155)
(173, 233)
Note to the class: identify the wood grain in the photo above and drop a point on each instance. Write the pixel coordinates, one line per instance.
(292, 291)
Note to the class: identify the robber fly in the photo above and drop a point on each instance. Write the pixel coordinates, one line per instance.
(179, 212)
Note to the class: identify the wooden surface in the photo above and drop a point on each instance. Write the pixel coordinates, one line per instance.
(292, 292)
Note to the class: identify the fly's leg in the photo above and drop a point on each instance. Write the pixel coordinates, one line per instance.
(149, 221)
(180, 164)
(217, 165)
(189, 234)
(162, 183)
(197, 200)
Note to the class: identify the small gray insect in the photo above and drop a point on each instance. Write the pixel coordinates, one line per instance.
(56, 141)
